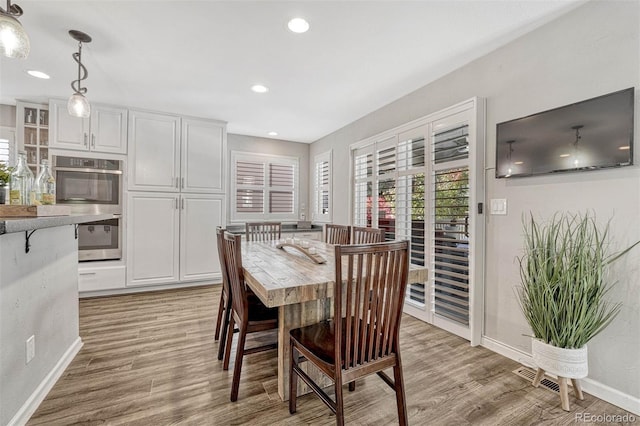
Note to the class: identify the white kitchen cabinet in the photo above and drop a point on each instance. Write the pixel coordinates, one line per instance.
(171, 237)
(154, 151)
(98, 276)
(203, 156)
(167, 153)
(104, 131)
(199, 216)
(152, 238)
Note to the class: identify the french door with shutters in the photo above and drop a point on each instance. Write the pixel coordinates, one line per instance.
(422, 182)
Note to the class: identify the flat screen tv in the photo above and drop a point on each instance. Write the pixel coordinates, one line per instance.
(589, 135)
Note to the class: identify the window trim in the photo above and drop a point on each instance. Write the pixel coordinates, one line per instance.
(316, 213)
(265, 160)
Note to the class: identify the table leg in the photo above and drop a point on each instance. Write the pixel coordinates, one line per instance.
(290, 317)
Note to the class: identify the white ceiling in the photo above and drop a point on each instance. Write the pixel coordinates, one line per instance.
(200, 58)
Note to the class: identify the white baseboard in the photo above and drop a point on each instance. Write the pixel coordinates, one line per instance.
(595, 388)
(144, 289)
(31, 404)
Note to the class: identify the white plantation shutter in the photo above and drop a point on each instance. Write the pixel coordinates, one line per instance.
(451, 215)
(424, 182)
(265, 187)
(363, 186)
(322, 188)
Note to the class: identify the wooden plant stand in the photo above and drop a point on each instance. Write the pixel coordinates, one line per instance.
(564, 389)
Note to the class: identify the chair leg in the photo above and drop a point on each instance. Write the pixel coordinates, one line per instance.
(352, 386)
(237, 368)
(227, 346)
(225, 330)
(219, 320)
(339, 404)
(293, 381)
(400, 398)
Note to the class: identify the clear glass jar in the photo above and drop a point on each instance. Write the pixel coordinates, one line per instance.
(21, 183)
(45, 185)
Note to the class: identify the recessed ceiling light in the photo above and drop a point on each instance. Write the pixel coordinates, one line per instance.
(298, 25)
(259, 88)
(624, 148)
(564, 155)
(518, 163)
(38, 74)
(273, 133)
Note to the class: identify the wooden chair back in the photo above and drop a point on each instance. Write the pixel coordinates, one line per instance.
(362, 235)
(368, 303)
(223, 267)
(231, 245)
(263, 231)
(337, 234)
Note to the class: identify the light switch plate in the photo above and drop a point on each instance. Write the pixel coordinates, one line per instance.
(499, 206)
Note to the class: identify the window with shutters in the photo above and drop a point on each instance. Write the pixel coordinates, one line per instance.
(422, 182)
(7, 146)
(322, 198)
(265, 187)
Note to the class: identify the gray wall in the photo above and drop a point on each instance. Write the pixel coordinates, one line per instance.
(591, 51)
(7, 115)
(273, 147)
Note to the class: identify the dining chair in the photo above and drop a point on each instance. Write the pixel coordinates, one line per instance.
(363, 235)
(247, 311)
(363, 336)
(337, 234)
(263, 231)
(224, 307)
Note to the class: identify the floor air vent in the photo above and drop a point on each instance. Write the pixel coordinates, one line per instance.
(530, 374)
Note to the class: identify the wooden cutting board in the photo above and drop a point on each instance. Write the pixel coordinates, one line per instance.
(34, 211)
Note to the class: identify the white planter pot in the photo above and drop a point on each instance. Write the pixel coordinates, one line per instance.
(569, 363)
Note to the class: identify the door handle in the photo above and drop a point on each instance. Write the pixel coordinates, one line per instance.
(176, 199)
(93, 140)
(182, 182)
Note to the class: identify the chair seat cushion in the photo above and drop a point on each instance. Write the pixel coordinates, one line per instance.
(319, 339)
(258, 311)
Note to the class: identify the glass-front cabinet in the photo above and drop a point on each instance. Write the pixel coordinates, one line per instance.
(32, 126)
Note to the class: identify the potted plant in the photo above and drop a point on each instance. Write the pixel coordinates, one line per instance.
(5, 175)
(564, 283)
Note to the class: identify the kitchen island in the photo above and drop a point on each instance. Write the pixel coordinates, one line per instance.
(39, 333)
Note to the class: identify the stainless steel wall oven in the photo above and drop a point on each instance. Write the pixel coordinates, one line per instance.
(92, 185)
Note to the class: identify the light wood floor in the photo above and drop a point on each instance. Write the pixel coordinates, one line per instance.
(150, 359)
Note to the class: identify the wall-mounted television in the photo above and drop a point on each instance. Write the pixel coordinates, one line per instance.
(593, 134)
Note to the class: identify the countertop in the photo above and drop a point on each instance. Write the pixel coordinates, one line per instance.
(10, 225)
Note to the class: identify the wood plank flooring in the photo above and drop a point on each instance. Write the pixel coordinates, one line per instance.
(150, 359)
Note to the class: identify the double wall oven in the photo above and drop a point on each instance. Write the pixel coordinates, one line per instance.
(92, 185)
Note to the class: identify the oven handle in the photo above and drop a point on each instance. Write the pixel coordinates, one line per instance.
(71, 169)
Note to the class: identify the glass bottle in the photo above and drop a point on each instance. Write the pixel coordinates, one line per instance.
(45, 185)
(21, 182)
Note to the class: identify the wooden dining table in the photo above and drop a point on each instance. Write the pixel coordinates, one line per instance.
(300, 288)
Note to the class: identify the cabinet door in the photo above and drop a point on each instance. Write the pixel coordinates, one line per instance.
(152, 238)
(109, 129)
(154, 151)
(67, 132)
(203, 156)
(200, 214)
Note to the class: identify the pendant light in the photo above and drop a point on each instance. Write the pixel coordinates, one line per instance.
(78, 105)
(14, 42)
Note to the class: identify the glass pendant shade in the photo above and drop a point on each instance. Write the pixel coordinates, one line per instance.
(14, 42)
(78, 106)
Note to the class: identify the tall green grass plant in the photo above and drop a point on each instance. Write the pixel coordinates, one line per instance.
(564, 279)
